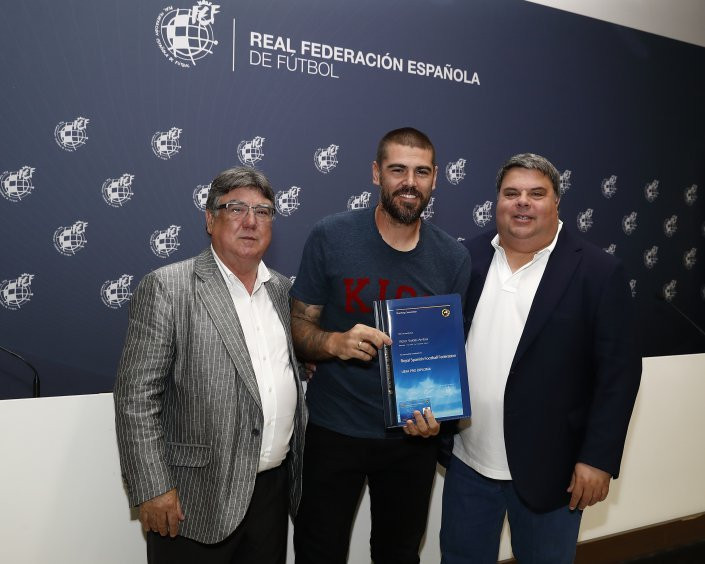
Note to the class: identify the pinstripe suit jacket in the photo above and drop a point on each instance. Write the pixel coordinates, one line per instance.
(187, 406)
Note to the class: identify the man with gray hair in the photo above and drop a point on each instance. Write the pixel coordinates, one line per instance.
(554, 371)
(210, 414)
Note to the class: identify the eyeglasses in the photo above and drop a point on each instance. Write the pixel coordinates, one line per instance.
(238, 210)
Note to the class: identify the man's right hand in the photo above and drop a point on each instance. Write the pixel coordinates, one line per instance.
(360, 342)
(314, 344)
(162, 514)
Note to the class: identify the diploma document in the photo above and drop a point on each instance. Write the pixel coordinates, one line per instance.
(425, 365)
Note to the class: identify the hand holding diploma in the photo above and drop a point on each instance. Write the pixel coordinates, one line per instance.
(422, 425)
(360, 342)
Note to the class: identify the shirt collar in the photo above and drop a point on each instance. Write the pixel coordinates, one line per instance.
(263, 274)
(546, 250)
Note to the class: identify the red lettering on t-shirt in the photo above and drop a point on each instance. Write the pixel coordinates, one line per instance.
(353, 294)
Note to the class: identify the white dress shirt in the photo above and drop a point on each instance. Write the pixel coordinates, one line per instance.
(269, 354)
(494, 335)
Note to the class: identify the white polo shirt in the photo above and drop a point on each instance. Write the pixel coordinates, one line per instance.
(269, 353)
(494, 335)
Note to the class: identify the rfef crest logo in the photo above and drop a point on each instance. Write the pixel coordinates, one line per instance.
(670, 226)
(428, 212)
(15, 185)
(611, 249)
(689, 258)
(691, 194)
(651, 257)
(565, 182)
(165, 144)
(287, 201)
(17, 292)
(117, 191)
(482, 213)
(116, 293)
(250, 152)
(200, 196)
(326, 159)
(585, 220)
(69, 240)
(629, 223)
(651, 191)
(455, 171)
(360, 201)
(184, 35)
(165, 242)
(669, 290)
(609, 186)
(70, 135)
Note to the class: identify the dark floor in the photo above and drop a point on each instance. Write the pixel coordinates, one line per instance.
(692, 554)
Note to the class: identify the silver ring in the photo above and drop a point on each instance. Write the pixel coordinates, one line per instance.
(359, 345)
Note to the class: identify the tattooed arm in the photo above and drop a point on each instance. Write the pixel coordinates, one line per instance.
(312, 343)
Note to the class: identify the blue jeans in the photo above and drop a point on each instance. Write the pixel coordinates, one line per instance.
(473, 514)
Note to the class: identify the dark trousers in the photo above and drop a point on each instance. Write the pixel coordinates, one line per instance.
(400, 475)
(474, 507)
(259, 539)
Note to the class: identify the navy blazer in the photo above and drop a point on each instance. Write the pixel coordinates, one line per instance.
(576, 372)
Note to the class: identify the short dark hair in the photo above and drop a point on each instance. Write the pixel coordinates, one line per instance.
(531, 161)
(407, 136)
(237, 177)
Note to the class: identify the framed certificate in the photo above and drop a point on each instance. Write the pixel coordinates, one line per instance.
(425, 364)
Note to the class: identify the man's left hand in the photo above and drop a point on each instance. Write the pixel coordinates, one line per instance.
(422, 425)
(588, 486)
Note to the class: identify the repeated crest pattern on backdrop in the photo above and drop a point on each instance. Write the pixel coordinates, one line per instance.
(117, 115)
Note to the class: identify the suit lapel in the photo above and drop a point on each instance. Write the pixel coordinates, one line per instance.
(480, 268)
(211, 289)
(481, 253)
(561, 265)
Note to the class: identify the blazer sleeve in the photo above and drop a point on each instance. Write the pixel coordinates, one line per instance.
(145, 366)
(617, 373)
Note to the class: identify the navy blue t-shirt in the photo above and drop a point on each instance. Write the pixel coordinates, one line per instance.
(345, 266)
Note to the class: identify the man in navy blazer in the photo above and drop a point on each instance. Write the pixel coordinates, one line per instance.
(554, 371)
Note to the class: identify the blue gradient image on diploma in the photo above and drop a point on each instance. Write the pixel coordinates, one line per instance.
(428, 365)
(406, 408)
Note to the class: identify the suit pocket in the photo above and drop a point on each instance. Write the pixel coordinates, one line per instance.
(181, 454)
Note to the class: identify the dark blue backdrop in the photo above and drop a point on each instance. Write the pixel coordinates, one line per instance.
(115, 113)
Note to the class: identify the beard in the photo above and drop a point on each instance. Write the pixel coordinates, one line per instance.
(403, 212)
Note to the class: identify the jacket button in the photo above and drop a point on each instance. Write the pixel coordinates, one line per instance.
(255, 432)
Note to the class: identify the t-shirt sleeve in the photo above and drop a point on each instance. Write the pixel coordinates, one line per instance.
(311, 285)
